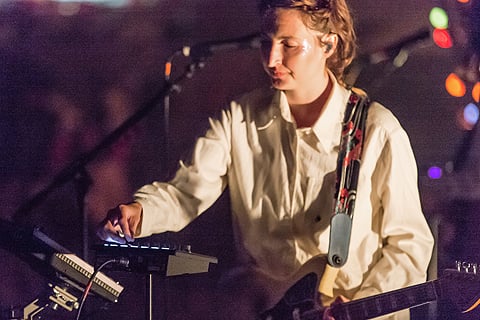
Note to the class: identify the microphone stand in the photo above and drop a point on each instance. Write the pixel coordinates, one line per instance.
(77, 172)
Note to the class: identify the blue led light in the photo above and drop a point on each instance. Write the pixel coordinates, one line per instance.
(471, 114)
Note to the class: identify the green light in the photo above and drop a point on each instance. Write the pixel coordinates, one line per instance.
(438, 18)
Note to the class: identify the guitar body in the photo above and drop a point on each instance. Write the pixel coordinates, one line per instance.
(297, 301)
(298, 294)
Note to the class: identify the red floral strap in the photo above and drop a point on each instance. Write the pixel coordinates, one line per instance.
(348, 168)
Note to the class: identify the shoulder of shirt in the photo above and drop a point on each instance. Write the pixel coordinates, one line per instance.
(257, 98)
(260, 105)
(381, 118)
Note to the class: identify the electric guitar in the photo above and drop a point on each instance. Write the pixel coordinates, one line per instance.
(301, 301)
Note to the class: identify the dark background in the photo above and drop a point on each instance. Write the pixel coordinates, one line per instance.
(71, 73)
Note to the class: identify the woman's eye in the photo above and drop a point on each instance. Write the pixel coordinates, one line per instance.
(289, 44)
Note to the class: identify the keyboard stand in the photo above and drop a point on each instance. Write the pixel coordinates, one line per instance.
(150, 260)
(149, 296)
(53, 301)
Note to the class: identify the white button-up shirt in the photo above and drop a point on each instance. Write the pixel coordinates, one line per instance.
(282, 181)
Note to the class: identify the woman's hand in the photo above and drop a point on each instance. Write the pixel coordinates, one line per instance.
(327, 314)
(121, 223)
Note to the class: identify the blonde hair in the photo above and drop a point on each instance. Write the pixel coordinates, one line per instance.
(325, 16)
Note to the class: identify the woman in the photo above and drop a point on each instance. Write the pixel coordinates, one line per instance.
(276, 149)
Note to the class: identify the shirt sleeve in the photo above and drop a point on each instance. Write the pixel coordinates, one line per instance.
(407, 241)
(170, 206)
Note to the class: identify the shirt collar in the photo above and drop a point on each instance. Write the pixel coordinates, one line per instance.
(328, 126)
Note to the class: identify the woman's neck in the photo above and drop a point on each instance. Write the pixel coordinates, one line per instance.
(307, 114)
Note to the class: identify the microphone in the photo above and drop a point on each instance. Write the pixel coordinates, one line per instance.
(203, 50)
(398, 53)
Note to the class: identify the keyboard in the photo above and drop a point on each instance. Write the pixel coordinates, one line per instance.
(166, 260)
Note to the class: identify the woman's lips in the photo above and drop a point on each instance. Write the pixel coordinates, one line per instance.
(278, 75)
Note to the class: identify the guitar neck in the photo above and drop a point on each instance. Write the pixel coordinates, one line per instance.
(388, 302)
(300, 301)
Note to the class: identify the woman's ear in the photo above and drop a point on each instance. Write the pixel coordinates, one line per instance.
(328, 47)
(330, 40)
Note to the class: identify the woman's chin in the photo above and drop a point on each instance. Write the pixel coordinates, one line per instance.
(279, 84)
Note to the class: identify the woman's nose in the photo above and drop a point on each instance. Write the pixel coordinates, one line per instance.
(271, 55)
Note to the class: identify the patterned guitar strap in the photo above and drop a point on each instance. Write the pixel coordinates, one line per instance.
(348, 167)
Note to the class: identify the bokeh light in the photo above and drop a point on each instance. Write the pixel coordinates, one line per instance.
(435, 173)
(471, 114)
(106, 2)
(438, 18)
(442, 38)
(455, 86)
(476, 92)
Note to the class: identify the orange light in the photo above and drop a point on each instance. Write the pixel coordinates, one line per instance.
(455, 86)
(476, 92)
(463, 1)
(168, 69)
(442, 38)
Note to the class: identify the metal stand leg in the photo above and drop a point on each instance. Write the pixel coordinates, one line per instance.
(149, 296)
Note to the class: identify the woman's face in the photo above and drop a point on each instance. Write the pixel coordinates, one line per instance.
(292, 54)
